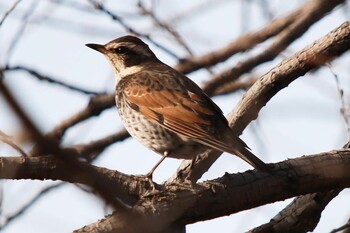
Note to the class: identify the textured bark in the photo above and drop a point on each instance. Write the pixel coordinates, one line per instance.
(180, 205)
(313, 56)
(301, 215)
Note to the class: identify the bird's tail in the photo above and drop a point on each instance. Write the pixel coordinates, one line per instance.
(237, 147)
(242, 151)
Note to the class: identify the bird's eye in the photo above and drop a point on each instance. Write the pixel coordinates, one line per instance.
(121, 50)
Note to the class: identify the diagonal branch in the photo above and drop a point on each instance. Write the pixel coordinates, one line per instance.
(97, 104)
(317, 54)
(9, 219)
(301, 215)
(9, 11)
(43, 77)
(49, 146)
(313, 56)
(241, 44)
(90, 150)
(99, 6)
(318, 9)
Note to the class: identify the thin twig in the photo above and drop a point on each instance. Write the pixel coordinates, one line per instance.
(316, 10)
(43, 77)
(191, 12)
(89, 151)
(49, 146)
(21, 30)
(8, 140)
(99, 6)
(342, 228)
(343, 108)
(8, 219)
(165, 26)
(241, 44)
(169, 29)
(9, 11)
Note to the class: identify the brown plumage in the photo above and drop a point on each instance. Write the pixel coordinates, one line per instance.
(165, 110)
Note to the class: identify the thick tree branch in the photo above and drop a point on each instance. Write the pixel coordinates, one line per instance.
(126, 188)
(313, 56)
(49, 146)
(180, 205)
(226, 195)
(301, 215)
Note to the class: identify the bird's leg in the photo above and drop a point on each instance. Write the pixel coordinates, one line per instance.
(149, 175)
(193, 161)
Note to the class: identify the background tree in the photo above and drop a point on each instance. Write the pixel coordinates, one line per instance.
(279, 70)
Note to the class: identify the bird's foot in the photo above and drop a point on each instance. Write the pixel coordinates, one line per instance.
(154, 186)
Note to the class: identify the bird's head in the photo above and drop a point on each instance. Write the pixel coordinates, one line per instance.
(127, 54)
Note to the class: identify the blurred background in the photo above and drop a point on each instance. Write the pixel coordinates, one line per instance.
(48, 37)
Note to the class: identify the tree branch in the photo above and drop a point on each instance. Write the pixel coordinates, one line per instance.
(301, 215)
(99, 6)
(313, 56)
(49, 146)
(319, 53)
(96, 105)
(317, 10)
(180, 205)
(43, 77)
(126, 188)
(9, 11)
(241, 44)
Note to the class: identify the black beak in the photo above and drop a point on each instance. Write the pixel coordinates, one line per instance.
(97, 47)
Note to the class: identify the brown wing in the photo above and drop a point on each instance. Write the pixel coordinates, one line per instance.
(178, 104)
(175, 102)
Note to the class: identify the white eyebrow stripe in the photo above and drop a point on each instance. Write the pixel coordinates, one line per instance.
(129, 71)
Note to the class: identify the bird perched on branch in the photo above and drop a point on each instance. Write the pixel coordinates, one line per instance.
(164, 110)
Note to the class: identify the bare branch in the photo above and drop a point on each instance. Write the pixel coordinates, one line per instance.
(90, 150)
(21, 30)
(9, 141)
(316, 10)
(43, 77)
(49, 146)
(99, 6)
(343, 110)
(287, 27)
(180, 204)
(164, 26)
(9, 11)
(126, 188)
(96, 105)
(344, 229)
(302, 215)
(9, 219)
(315, 55)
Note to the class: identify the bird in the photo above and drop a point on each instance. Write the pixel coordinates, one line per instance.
(165, 110)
